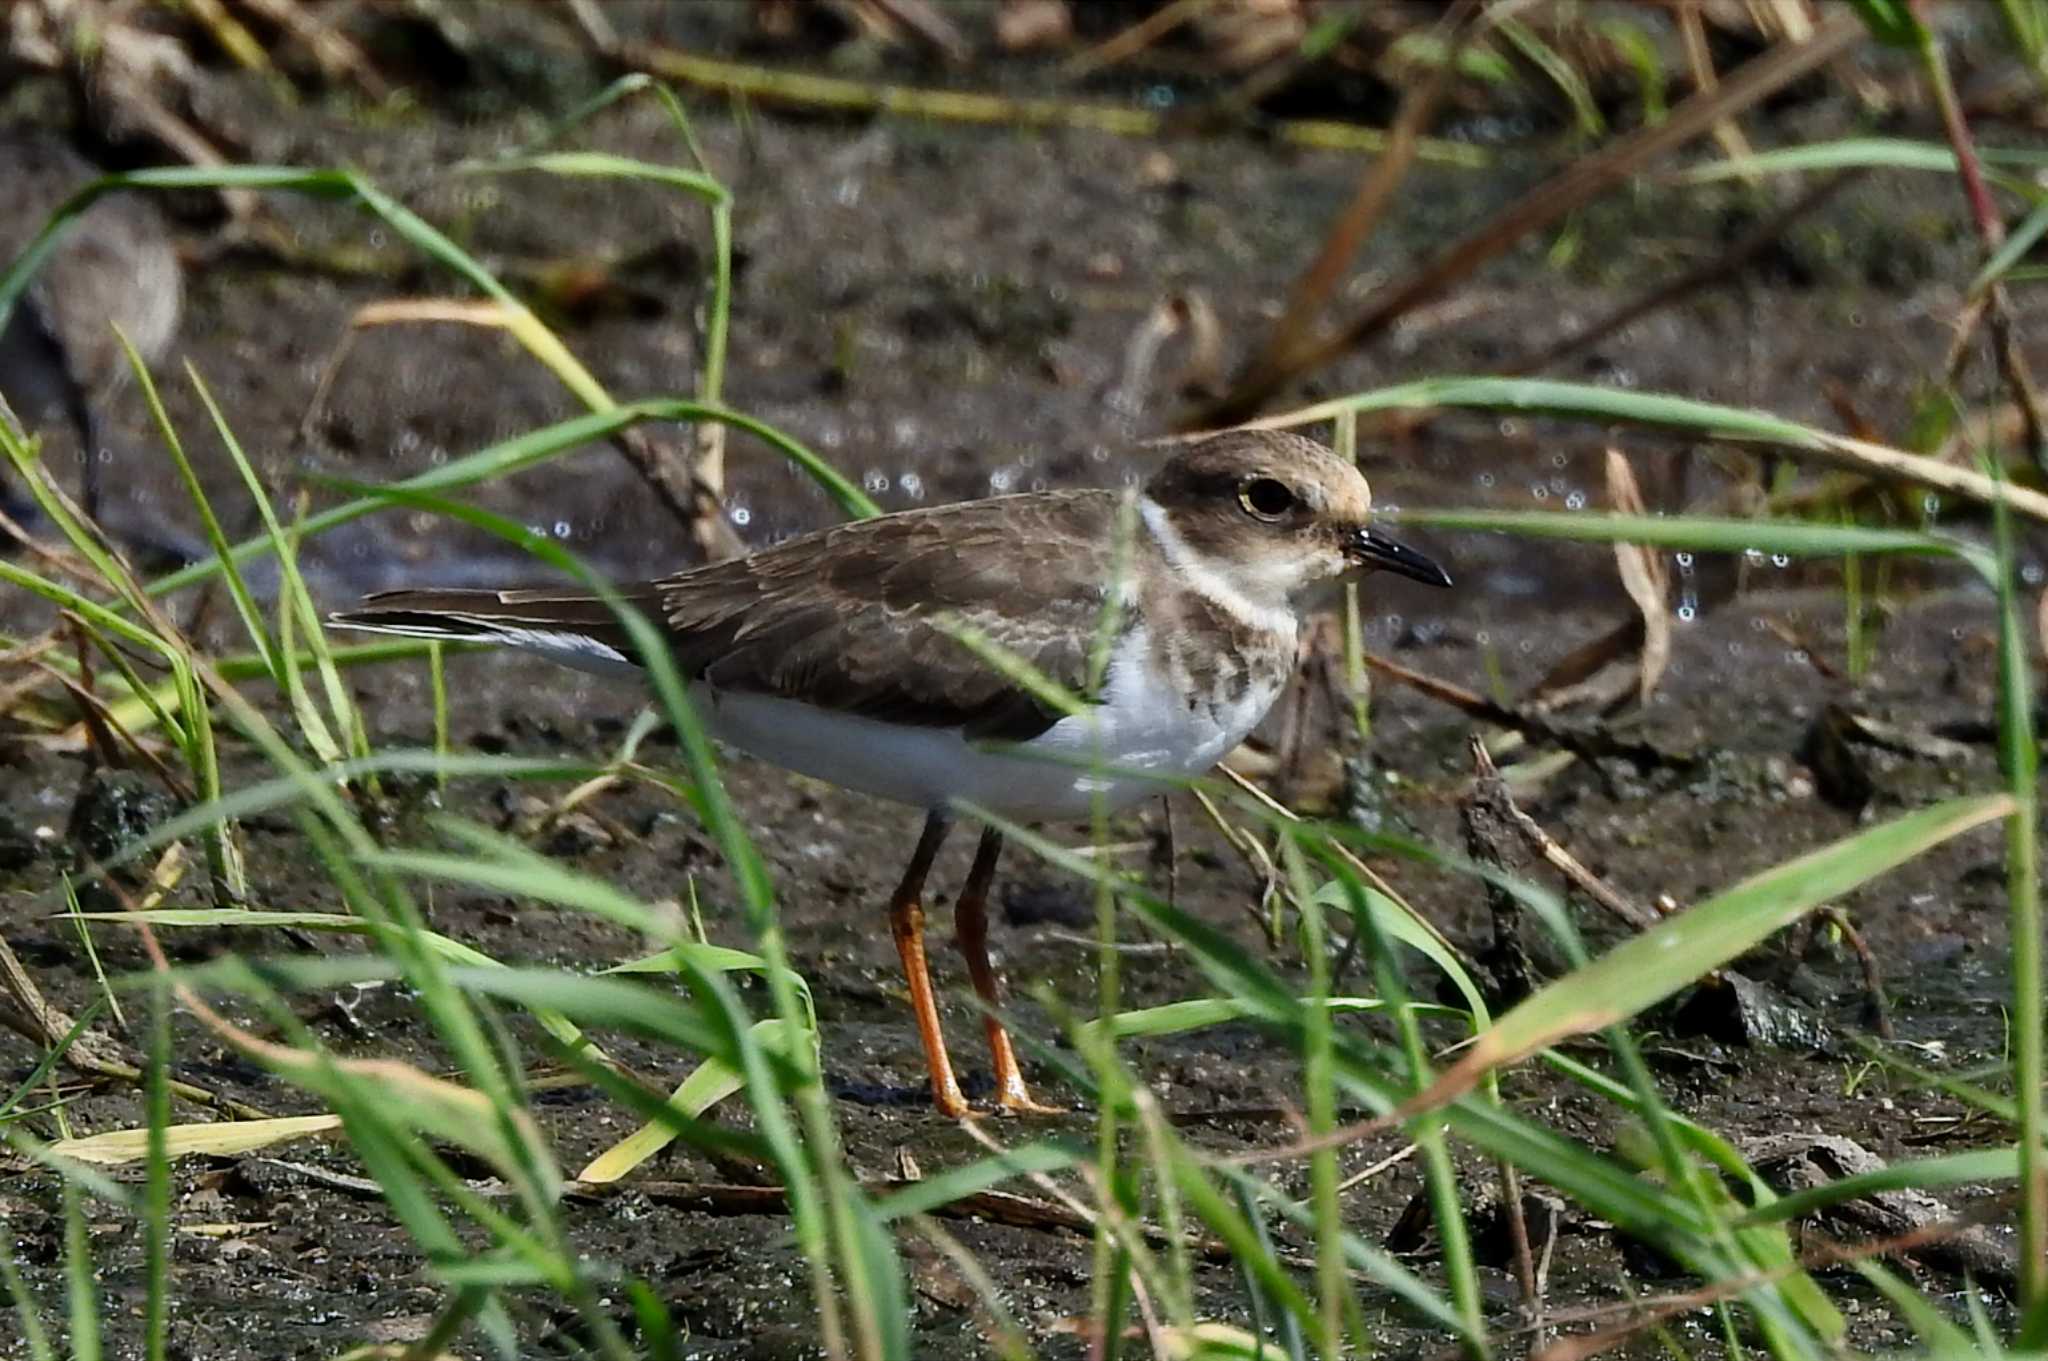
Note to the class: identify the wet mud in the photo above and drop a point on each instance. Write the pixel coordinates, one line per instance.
(946, 313)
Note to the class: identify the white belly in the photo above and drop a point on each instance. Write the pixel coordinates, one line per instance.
(1142, 728)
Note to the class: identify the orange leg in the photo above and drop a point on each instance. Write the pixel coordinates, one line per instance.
(970, 926)
(906, 924)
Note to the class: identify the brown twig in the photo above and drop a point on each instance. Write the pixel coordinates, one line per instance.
(1362, 215)
(1588, 743)
(1576, 184)
(1990, 224)
(1556, 856)
(1873, 975)
(1128, 42)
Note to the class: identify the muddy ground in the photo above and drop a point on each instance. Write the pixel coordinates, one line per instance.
(945, 313)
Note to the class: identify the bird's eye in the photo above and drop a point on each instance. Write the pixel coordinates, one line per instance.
(1266, 497)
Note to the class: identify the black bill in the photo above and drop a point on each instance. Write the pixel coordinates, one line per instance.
(1376, 550)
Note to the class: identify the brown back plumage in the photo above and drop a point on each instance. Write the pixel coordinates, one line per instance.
(851, 619)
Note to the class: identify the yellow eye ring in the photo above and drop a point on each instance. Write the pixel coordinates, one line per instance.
(1266, 498)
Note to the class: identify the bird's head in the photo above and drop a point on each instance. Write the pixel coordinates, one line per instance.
(1274, 515)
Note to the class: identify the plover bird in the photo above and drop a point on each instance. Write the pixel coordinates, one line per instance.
(841, 655)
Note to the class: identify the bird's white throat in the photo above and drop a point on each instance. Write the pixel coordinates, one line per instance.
(1225, 586)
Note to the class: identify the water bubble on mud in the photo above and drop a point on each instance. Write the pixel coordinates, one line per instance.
(911, 485)
(1575, 501)
(1539, 491)
(1000, 480)
(562, 529)
(1509, 427)
(2032, 574)
(874, 481)
(1931, 504)
(741, 516)
(907, 430)
(1781, 559)
(1558, 460)
(1484, 479)
(1159, 96)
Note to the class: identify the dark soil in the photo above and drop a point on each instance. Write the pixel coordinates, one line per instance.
(946, 313)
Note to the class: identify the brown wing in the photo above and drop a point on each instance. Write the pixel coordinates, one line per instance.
(850, 619)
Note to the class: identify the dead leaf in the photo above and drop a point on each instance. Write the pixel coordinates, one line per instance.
(1643, 575)
(220, 1138)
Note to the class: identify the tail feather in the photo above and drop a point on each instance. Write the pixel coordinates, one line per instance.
(577, 630)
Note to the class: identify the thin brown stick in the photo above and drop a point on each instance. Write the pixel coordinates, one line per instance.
(1560, 859)
(1128, 42)
(1873, 975)
(1984, 214)
(1518, 1234)
(1369, 203)
(1588, 743)
(1583, 180)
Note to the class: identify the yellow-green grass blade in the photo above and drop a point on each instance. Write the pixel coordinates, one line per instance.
(216, 1138)
(711, 1082)
(2018, 242)
(1695, 533)
(532, 449)
(454, 951)
(822, 1196)
(1878, 153)
(1398, 924)
(1686, 415)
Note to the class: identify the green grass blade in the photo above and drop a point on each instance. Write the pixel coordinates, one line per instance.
(156, 1197)
(238, 589)
(2018, 242)
(2020, 757)
(1697, 533)
(80, 1280)
(34, 1335)
(1881, 153)
(1949, 1169)
(532, 449)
